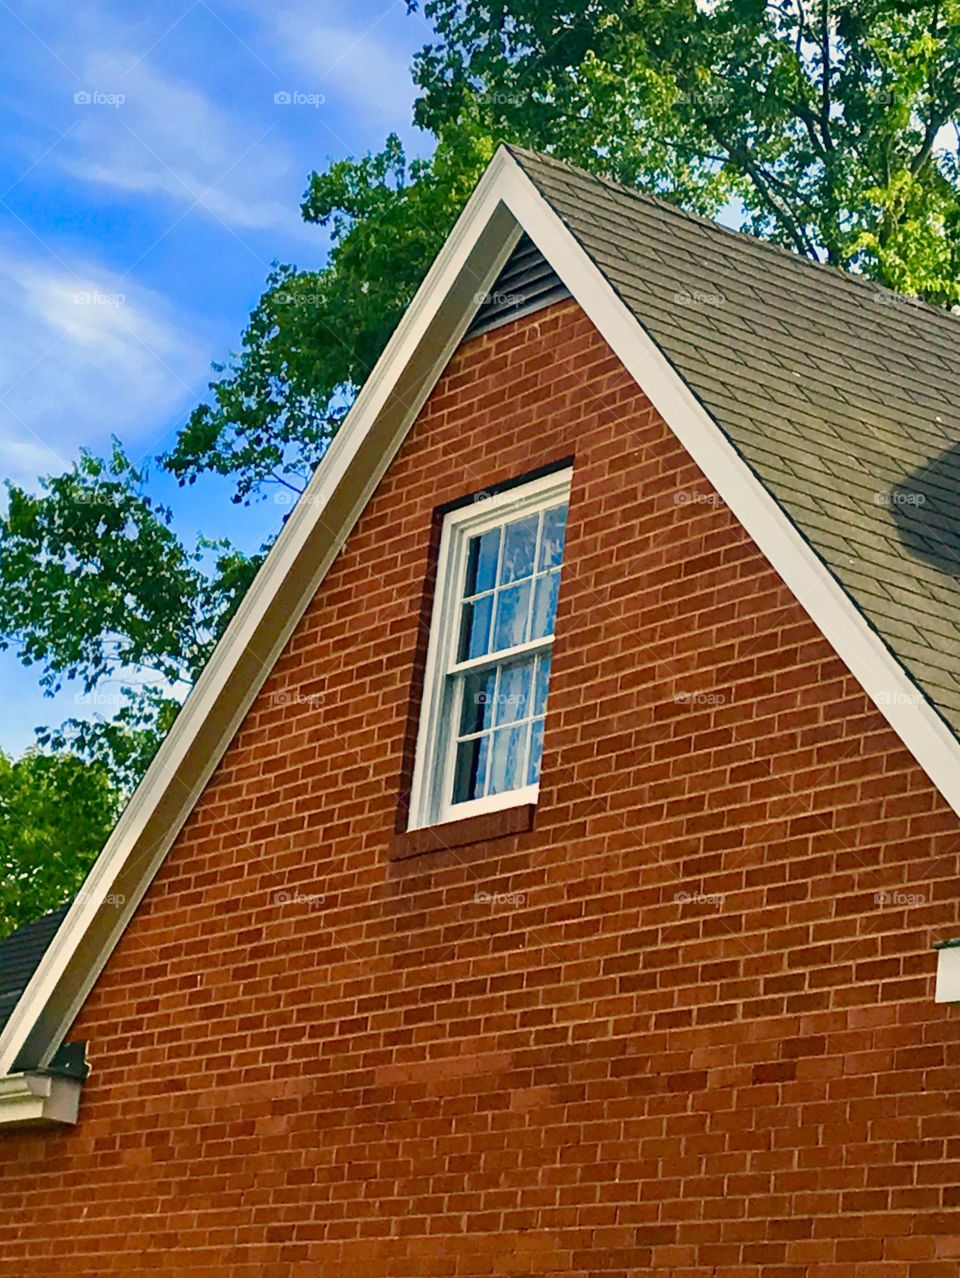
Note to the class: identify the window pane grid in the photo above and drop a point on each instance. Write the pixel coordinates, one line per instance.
(486, 732)
(501, 746)
(521, 581)
(510, 723)
(533, 577)
(490, 660)
(499, 574)
(503, 608)
(481, 622)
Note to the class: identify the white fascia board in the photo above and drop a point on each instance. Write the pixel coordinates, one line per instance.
(38, 1100)
(898, 698)
(358, 456)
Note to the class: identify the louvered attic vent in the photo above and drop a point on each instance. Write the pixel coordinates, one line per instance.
(526, 283)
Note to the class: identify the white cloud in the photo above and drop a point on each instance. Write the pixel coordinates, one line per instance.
(85, 352)
(168, 138)
(25, 457)
(358, 64)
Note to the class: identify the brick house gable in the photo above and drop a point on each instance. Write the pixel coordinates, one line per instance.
(895, 630)
(685, 1024)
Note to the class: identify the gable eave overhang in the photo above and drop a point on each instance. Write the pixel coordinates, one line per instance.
(505, 202)
(312, 537)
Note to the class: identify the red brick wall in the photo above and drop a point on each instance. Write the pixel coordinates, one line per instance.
(689, 1041)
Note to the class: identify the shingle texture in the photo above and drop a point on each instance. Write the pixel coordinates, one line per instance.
(20, 955)
(842, 397)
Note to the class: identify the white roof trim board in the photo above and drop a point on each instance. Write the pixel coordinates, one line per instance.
(505, 202)
(38, 1100)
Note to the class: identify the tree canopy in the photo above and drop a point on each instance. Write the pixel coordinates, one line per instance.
(56, 811)
(96, 587)
(832, 128)
(833, 124)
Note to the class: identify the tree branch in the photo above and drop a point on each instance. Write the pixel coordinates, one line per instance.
(825, 54)
(286, 483)
(763, 182)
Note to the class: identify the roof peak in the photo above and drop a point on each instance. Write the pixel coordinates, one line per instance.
(837, 273)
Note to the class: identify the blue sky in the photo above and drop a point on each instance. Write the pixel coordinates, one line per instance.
(149, 176)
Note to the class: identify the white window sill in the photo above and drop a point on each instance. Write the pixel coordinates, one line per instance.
(490, 803)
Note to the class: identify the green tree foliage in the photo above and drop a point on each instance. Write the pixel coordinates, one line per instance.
(835, 124)
(95, 586)
(315, 335)
(56, 812)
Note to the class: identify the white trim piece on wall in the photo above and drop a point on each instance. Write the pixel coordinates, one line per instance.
(948, 972)
(38, 1100)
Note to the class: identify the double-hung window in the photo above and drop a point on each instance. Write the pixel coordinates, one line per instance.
(488, 663)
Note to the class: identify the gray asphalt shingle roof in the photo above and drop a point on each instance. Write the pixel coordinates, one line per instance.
(20, 954)
(842, 397)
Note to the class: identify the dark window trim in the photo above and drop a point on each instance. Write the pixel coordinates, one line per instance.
(458, 834)
(494, 490)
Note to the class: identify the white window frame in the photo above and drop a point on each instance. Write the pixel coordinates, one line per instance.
(436, 738)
